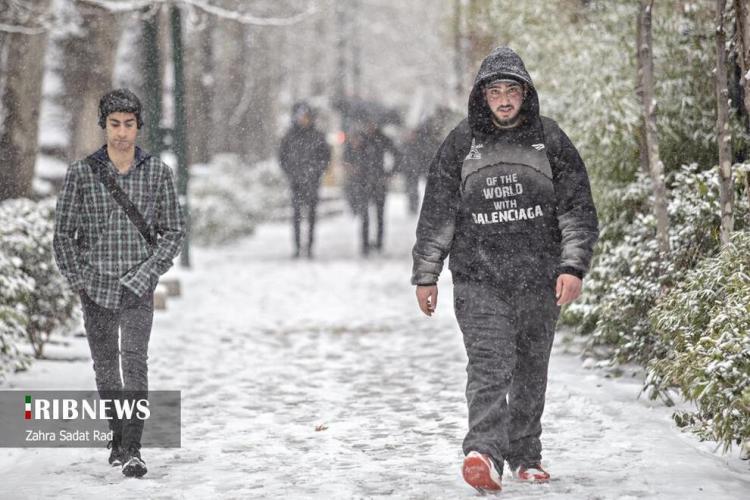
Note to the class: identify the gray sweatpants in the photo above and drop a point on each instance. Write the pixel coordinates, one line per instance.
(508, 337)
(116, 334)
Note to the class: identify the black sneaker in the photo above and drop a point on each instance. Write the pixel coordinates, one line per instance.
(117, 455)
(133, 465)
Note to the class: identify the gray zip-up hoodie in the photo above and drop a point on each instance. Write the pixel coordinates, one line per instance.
(512, 206)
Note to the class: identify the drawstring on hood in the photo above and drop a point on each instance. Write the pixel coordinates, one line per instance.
(501, 63)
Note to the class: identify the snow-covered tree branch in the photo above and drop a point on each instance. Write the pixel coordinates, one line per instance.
(210, 8)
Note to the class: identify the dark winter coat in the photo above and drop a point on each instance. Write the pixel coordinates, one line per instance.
(366, 155)
(512, 206)
(419, 150)
(304, 155)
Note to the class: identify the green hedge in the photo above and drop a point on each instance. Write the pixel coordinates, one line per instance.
(704, 323)
(628, 276)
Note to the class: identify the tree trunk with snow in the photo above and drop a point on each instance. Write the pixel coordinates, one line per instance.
(647, 93)
(87, 75)
(723, 134)
(21, 72)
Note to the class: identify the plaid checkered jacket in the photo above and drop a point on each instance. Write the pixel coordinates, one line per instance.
(97, 247)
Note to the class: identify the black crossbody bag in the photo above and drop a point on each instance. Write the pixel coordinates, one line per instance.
(108, 179)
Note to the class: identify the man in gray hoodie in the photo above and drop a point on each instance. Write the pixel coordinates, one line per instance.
(508, 198)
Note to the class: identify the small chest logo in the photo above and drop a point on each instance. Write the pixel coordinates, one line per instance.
(538, 147)
(474, 153)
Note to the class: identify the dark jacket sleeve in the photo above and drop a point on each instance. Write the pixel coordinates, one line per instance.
(66, 224)
(576, 213)
(284, 155)
(437, 219)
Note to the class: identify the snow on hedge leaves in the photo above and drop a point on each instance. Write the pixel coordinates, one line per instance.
(688, 311)
(704, 324)
(35, 299)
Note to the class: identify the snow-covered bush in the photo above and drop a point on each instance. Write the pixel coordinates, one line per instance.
(16, 288)
(26, 230)
(704, 325)
(629, 277)
(228, 199)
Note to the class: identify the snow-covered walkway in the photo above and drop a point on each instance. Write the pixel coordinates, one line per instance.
(266, 349)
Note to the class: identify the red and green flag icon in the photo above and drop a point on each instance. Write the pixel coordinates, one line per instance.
(27, 413)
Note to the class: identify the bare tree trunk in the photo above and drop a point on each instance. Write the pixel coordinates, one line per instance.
(87, 75)
(458, 55)
(342, 31)
(262, 78)
(317, 86)
(480, 41)
(22, 69)
(151, 68)
(656, 167)
(229, 46)
(723, 134)
(742, 13)
(199, 95)
(355, 40)
(642, 142)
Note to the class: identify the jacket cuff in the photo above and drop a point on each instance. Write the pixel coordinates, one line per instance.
(424, 279)
(570, 270)
(139, 282)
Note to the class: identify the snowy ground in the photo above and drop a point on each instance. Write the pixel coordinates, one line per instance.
(265, 349)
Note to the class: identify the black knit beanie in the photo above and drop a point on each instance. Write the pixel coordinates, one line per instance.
(119, 101)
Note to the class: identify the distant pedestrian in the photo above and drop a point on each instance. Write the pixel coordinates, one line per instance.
(418, 148)
(366, 153)
(118, 226)
(508, 198)
(304, 156)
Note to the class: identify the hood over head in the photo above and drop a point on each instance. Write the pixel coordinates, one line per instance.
(502, 63)
(301, 108)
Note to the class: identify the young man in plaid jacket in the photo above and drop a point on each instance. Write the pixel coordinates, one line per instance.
(108, 260)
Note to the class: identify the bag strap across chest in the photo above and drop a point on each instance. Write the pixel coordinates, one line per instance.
(107, 178)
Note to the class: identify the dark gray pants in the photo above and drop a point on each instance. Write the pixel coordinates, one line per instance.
(304, 197)
(378, 198)
(508, 337)
(130, 324)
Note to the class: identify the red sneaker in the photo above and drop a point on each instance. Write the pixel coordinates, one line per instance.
(480, 472)
(531, 473)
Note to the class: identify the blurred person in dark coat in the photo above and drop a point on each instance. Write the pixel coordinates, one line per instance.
(366, 155)
(304, 156)
(419, 147)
